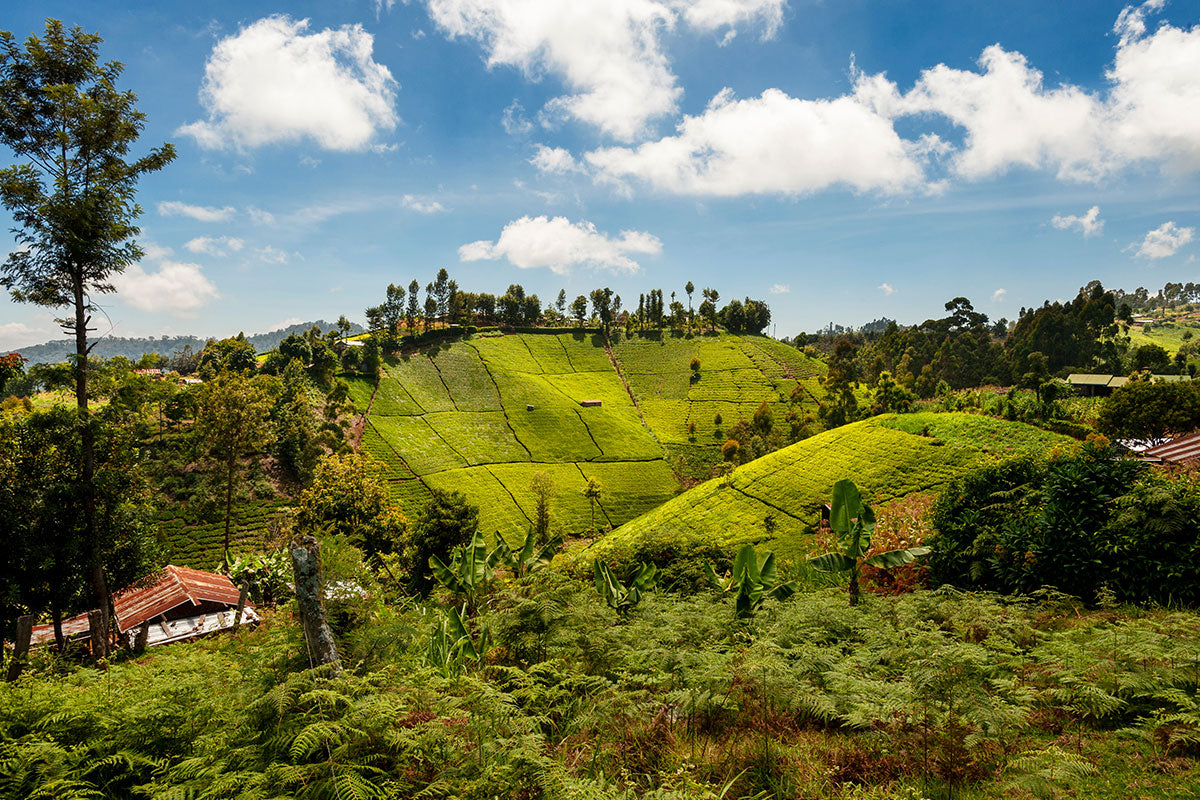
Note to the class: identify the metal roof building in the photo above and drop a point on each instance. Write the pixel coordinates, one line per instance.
(1185, 449)
(180, 603)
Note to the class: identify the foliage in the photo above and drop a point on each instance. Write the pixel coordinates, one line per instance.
(232, 422)
(48, 559)
(854, 522)
(1150, 411)
(530, 557)
(622, 597)
(469, 572)
(1081, 522)
(447, 522)
(751, 582)
(266, 576)
(347, 497)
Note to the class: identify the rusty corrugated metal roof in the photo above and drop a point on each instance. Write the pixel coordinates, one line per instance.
(172, 587)
(1177, 451)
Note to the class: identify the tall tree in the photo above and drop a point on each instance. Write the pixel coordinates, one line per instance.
(579, 309)
(72, 198)
(414, 306)
(233, 422)
(690, 287)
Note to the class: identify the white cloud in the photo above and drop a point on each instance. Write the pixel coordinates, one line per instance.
(174, 208)
(177, 288)
(1004, 113)
(780, 288)
(559, 244)
(1090, 223)
(214, 245)
(999, 295)
(772, 144)
(421, 205)
(272, 255)
(20, 334)
(155, 252)
(514, 120)
(274, 82)
(1164, 241)
(555, 160)
(608, 53)
(260, 217)
(887, 288)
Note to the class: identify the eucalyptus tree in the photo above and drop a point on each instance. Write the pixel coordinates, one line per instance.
(71, 194)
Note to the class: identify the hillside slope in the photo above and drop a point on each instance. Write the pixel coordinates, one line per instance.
(889, 456)
(485, 414)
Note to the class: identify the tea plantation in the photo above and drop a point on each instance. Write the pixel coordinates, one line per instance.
(485, 414)
(777, 498)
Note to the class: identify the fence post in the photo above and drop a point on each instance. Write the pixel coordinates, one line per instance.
(21, 647)
(306, 568)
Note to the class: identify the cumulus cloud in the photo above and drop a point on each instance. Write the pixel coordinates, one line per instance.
(999, 295)
(421, 205)
(780, 288)
(772, 144)
(559, 244)
(555, 160)
(514, 120)
(273, 81)
(887, 288)
(260, 217)
(174, 208)
(174, 287)
(21, 334)
(608, 53)
(1004, 114)
(1164, 241)
(214, 245)
(1089, 224)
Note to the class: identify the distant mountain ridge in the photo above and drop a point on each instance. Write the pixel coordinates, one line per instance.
(134, 348)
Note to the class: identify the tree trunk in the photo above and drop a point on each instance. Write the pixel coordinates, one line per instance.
(854, 587)
(99, 634)
(60, 641)
(306, 569)
(88, 474)
(21, 645)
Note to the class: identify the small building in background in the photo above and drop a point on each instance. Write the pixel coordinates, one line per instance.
(1181, 450)
(176, 604)
(1092, 385)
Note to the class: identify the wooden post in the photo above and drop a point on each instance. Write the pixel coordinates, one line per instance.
(97, 628)
(143, 637)
(21, 648)
(306, 568)
(241, 606)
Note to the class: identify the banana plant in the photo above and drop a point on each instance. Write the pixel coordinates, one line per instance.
(620, 596)
(451, 643)
(854, 522)
(530, 558)
(751, 581)
(468, 573)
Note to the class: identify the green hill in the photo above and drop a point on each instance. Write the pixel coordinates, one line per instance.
(889, 456)
(483, 415)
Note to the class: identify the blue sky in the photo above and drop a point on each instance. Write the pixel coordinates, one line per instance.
(842, 160)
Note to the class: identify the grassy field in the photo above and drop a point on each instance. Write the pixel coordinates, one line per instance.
(1168, 334)
(485, 414)
(199, 543)
(776, 499)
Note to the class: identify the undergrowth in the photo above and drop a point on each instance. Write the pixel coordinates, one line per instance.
(930, 694)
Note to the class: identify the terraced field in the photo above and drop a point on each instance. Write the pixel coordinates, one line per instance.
(485, 414)
(196, 543)
(888, 457)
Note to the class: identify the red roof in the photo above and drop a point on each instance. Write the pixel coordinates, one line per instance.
(174, 586)
(1185, 448)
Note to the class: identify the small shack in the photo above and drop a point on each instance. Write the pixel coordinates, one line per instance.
(1183, 450)
(177, 604)
(590, 403)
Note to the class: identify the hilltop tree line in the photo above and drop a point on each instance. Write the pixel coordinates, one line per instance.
(403, 310)
(965, 349)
